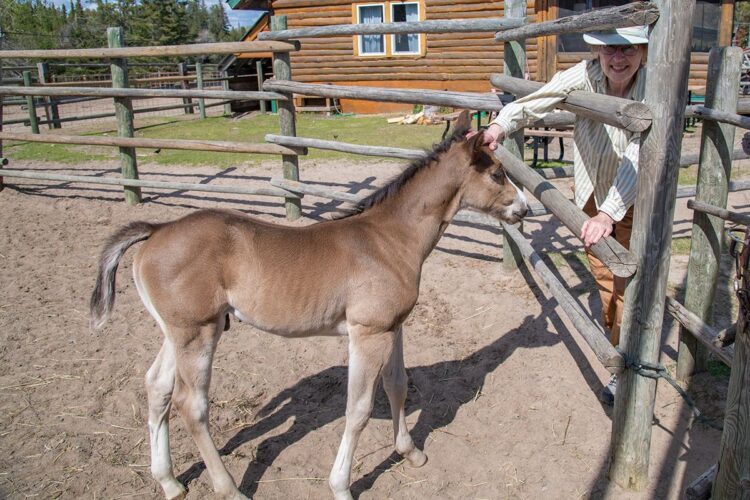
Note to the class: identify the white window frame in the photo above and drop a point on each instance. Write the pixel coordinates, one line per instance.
(394, 52)
(360, 39)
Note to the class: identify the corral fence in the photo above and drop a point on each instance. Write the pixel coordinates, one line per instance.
(645, 264)
(62, 109)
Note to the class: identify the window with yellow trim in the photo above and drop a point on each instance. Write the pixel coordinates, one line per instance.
(401, 44)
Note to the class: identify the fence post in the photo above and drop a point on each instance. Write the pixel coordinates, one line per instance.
(659, 165)
(124, 113)
(33, 120)
(51, 111)
(199, 84)
(259, 70)
(225, 86)
(733, 471)
(714, 170)
(282, 70)
(514, 64)
(2, 183)
(183, 71)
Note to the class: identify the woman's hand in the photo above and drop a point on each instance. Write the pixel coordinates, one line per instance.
(598, 227)
(493, 135)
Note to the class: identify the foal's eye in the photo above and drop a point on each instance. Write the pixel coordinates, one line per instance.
(498, 176)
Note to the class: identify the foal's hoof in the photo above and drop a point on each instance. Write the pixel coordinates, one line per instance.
(175, 491)
(416, 458)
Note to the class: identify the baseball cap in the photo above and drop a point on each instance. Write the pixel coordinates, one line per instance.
(633, 35)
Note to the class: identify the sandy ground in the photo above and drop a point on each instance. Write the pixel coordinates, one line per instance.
(502, 393)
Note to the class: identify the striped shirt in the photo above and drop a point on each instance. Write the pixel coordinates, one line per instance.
(605, 158)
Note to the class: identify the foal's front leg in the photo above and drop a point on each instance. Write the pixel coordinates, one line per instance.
(368, 352)
(395, 385)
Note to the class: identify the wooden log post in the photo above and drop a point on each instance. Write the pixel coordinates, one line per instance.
(514, 65)
(51, 110)
(714, 170)
(225, 87)
(199, 85)
(33, 120)
(282, 70)
(124, 113)
(733, 474)
(668, 64)
(182, 69)
(2, 97)
(259, 70)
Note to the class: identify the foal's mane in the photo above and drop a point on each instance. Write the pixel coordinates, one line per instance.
(395, 184)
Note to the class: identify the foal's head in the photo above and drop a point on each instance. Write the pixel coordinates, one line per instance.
(486, 186)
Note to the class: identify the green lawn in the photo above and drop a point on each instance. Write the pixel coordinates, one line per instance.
(366, 130)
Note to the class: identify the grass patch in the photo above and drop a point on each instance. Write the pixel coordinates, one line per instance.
(718, 369)
(367, 130)
(681, 246)
(552, 164)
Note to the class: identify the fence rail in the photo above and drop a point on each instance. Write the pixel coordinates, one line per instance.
(198, 49)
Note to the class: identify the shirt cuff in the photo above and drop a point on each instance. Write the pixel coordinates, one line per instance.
(614, 209)
(504, 124)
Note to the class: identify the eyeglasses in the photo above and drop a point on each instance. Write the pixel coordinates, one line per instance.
(627, 50)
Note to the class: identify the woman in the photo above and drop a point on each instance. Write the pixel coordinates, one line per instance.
(605, 157)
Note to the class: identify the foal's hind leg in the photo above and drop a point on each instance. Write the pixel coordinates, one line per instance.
(395, 385)
(159, 386)
(367, 354)
(194, 349)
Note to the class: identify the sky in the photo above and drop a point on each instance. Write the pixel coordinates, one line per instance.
(237, 18)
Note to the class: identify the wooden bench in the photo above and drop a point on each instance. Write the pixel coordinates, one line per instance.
(542, 137)
(325, 105)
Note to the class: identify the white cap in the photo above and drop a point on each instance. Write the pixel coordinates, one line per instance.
(634, 35)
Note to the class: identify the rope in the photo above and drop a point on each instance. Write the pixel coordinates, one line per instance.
(657, 371)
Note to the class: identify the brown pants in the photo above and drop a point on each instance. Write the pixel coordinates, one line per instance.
(611, 288)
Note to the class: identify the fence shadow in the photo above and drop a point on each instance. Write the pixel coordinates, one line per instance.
(320, 399)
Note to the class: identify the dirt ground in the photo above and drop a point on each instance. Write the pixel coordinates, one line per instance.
(502, 394)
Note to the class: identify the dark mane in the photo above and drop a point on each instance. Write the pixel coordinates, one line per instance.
(395, 184)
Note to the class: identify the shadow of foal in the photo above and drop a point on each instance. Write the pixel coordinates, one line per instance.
(319, 399)
(356, 276)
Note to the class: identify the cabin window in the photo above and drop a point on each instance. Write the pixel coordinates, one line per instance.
(405, 43)
(574, 42)
(371, 45)
(706, 18)
(392, 45)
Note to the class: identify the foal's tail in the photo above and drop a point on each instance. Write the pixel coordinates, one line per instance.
(103, 296)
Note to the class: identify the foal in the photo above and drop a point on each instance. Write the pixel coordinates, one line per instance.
(357, 276)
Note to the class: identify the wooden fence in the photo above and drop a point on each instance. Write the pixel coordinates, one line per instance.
(647, 261)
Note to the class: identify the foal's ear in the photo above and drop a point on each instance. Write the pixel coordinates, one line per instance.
(481, 155)
(463, 123)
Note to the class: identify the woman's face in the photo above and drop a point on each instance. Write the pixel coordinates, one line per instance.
(620, 63)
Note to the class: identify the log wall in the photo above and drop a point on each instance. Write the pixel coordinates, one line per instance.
(450, 61)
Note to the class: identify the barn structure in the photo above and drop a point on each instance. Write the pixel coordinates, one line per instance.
(448, 61)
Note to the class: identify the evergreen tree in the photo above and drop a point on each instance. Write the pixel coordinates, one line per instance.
(218, 22)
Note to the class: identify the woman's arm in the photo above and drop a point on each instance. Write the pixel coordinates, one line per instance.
(534, 106)
(620, 197)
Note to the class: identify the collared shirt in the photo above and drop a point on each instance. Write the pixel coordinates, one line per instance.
(605, 158)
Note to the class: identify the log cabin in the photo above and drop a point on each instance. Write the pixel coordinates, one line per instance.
(447, 61)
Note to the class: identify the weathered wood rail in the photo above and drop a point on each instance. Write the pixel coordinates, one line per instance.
(634, 14)
(452, 26)
(623, 113)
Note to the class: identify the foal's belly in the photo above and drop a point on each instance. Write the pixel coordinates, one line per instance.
(295, 329)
